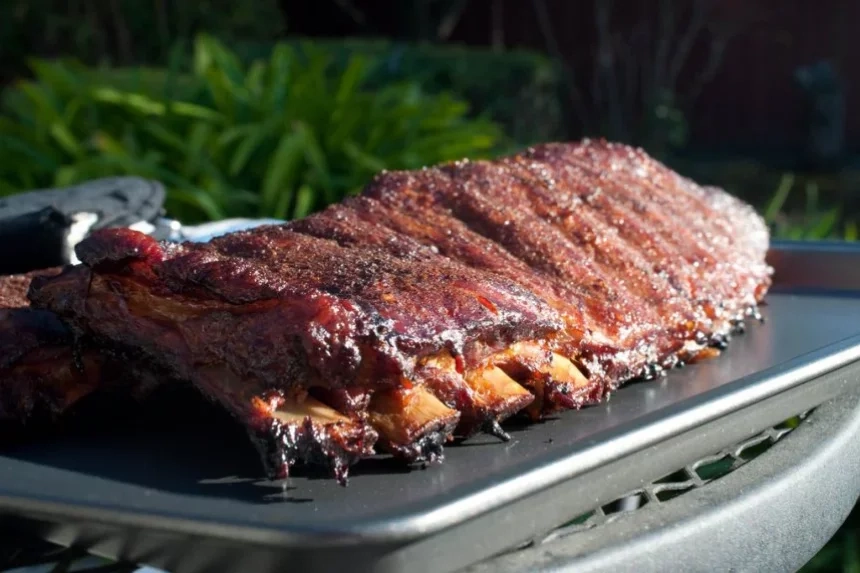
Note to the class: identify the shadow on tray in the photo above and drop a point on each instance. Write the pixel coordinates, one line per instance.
(173, 442)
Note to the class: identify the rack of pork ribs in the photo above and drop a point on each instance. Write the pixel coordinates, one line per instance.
(434, 305)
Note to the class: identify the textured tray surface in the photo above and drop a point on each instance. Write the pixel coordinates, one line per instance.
(183, 466)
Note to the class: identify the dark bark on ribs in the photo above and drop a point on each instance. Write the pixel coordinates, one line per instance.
(44, 371)
(294, 426)
(280, 423)
(565, 270)
(275, 310)
(596, 223)
(479, 406)
(363, 221)
(38, 376)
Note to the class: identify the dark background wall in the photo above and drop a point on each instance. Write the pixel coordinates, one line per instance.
(751, 100)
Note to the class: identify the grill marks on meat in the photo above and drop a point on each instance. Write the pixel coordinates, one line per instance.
(437, 303)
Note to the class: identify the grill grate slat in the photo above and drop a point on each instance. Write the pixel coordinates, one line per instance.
(679, 482)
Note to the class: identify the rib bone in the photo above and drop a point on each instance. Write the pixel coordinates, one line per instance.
(485, 396)
(553, 379)
(293, 411)
(498, 391)
(412, 423)
(306, 429)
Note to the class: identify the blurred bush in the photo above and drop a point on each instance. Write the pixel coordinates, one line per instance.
(812, 221)
(278, 137)
(521, 90)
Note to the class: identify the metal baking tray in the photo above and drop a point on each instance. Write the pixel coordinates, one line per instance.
(176, 485)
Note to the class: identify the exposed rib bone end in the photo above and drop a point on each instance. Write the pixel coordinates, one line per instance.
(412, 423)
(554, 380)
(500, 394)
(301, 428)
(484, 396)
(704, 354)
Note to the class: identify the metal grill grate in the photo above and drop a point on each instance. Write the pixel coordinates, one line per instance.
(25, 555)
(679, 482)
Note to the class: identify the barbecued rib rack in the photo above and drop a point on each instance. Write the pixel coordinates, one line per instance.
(830, 428)
(704, 516)
(437, 303)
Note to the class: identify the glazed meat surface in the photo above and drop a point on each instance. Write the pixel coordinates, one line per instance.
(436, 304)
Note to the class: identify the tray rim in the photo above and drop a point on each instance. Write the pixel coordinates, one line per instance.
(718, 402)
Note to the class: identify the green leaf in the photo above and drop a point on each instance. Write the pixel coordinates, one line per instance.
(61, 76)
(231, 134)
(851, 231)
(8, 188)
(224, 77)
(196, 111)
(778, 200)
(825, 225)
(850, 555)
(198, 199)
(107, 143)
(364, 160)
(283, 171)
(66, 176)
(244, 197)
(280, 72)
(255, 79)
(304, 202)
(225, 61)
(71, 111)
(204, 57)
(316, 158)
(66, 140)
(165, 136)
(796, 233)
(811, 197)
(137, 102)
(351, 79)
(196, 154)
(31, 153)
(281, 207)
(248, 146)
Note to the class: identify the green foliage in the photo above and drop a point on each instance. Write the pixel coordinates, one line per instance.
(813, 222)
(840, 554)
(521, 90)
(278, 137)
